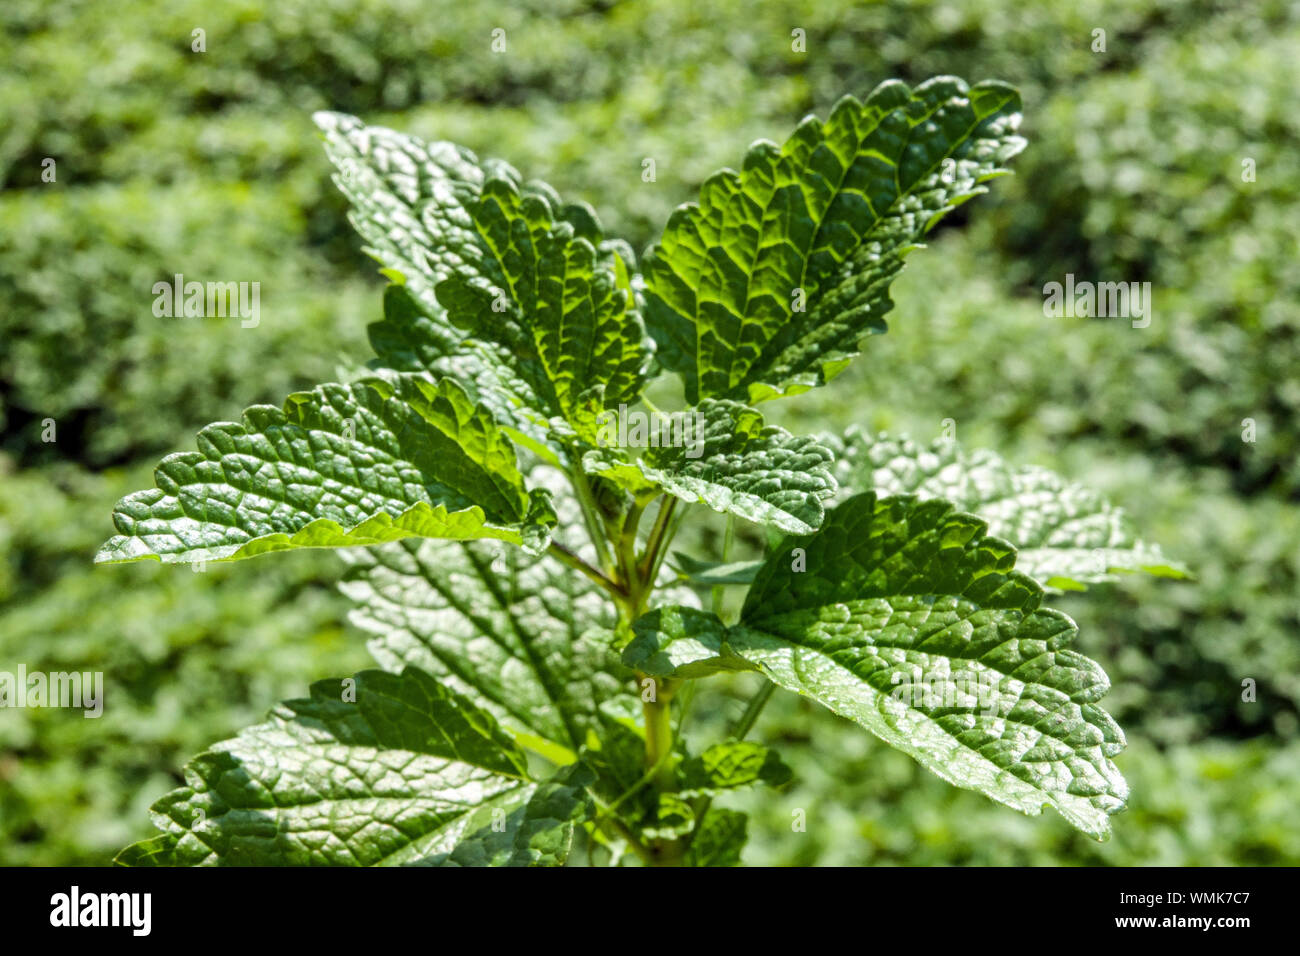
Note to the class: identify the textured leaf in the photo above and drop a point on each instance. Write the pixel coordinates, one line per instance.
(529, 640)
(408, 201)
(504, 283)
(719, 839)
(341, 465)
(832, 213)
(732, 765)
(1066, 536)
(407, 340)
(406, 771)
(672, 818)
(540, 833)
(730, 462)
(563, 309)
(616, 753)
(521, 636)
(682, 642)
(911, 621)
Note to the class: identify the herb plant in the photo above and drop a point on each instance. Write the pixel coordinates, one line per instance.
(508, 521)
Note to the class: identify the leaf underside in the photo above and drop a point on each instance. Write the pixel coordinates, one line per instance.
(1065, 535)
(527, 638)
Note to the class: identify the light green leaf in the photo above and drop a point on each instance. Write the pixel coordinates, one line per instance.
(1066, 536)
(672, 818)
(408, 201)
(765, 287)
(732, 765)
(906, 617)
(338, 466)
(727, 460)
(408, 340)
(386, 769)
(719, 839)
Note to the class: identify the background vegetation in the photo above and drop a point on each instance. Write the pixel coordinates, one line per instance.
(206, 164)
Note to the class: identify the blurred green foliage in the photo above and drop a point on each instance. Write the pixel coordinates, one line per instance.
(206, 164)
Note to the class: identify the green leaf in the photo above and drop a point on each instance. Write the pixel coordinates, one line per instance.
(1066, 536)
(540, 833)
(564, 309)
(393, 769)
(339, 466)
(408, 201)
(718, 840)
(725, 459)
(616, 753)
(525, 638)
(732, 765)
(682, 642)
(831, 214)
(672, 818)
(905, 616)
(407, 340)
(708, 573)
(503, 282)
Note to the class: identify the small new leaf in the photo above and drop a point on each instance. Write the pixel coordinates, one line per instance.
(719, 839)
(732, 765)
(731, 463)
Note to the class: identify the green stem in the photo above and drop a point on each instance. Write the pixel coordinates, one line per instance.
(659, 733)
(727, 539)
(575, 562)
(629, 576)
(657, 540)
(755, 707)
(738, 732)
(606, 821)
(591, 518)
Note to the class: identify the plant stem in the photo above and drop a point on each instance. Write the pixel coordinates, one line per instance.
(755, 707)
(657, 539)
(575, 562)
(659, 733)
(625, 554)
(743, 726)
(591, 518)
(727, 540)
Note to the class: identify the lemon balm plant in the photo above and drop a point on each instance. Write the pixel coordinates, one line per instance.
(508, 559)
